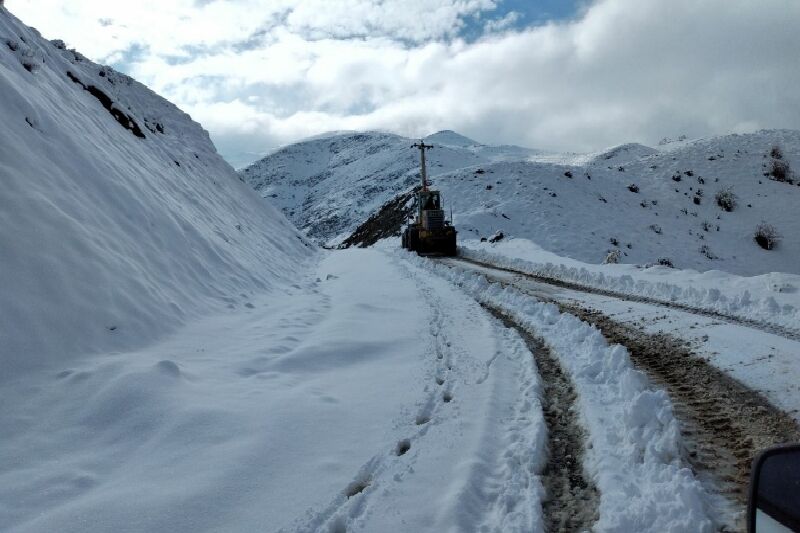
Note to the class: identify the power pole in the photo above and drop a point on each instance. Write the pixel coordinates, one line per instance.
(422, 147)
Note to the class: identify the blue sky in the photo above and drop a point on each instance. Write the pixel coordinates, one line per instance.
(559, 75)
(530, 13)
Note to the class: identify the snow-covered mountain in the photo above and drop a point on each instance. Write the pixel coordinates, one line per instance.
(327, 185)
(648, 204)
(119, 219)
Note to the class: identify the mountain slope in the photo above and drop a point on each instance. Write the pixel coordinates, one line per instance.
(647, 204)
(118, 219)
(328, 184)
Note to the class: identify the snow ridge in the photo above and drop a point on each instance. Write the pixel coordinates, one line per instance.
(119, 219)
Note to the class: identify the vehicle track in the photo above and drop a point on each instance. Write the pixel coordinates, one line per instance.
(572, 499)
(755, 324)
(723, 423)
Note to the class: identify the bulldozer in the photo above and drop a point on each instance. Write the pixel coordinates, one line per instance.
(430, 233)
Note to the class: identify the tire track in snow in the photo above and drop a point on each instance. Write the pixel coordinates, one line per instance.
(754, 324)
(723, 423)
(572, 498)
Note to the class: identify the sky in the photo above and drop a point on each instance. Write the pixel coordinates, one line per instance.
(562, 75)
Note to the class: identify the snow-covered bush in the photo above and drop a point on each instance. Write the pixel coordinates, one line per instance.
(726, 199)
(767, 236)
(633, 187)
(497, 237)
(706, 251)
(613, 257)
(779, 171)
(665, 261)
(656, 228)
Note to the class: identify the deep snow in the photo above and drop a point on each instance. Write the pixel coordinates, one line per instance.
(363, 378)
(111, 238)
(369, 395)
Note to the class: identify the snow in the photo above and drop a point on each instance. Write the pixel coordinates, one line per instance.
(110, 240)
(762, 360)
(578, 206)
(176, 356)
(770, 299)
(269, 415)
(634, 444)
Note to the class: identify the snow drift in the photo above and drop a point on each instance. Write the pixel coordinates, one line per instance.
(118, 219)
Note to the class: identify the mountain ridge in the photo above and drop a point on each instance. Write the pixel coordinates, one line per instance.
(661, 202)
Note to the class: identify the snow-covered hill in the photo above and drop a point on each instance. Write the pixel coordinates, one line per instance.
(118, 219)
(327, 185)
(648, 204)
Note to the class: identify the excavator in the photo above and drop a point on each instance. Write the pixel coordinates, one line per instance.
(429, 234)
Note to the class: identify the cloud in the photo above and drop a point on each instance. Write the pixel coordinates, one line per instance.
(262, 73)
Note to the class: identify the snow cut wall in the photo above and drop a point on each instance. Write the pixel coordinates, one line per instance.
(118, 219)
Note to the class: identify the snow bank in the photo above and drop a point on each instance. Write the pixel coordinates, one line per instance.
(771, 299)
(634, 444)
(118, 220)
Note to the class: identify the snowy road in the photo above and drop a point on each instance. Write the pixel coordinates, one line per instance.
(764, 360)
(707, 366)
(369, 396)
(377, 393)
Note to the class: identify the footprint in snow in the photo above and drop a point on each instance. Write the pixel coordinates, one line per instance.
(402, 447)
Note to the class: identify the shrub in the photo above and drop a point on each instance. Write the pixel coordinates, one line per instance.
(779, 171)
(665, 261)
(766, 236)
(633, 187)
(612, 257)
(726, 199)
(706, 251)
(776, 152)
(656, 228)
(498, 236)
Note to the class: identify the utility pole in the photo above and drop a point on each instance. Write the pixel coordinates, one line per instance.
(422, 147)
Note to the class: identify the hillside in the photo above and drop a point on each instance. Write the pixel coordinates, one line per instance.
(647, 203)
(119, 219)
(327, 185)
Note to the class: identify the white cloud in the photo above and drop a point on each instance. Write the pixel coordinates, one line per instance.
(262, 73)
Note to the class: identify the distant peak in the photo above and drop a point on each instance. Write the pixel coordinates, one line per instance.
(451, 138)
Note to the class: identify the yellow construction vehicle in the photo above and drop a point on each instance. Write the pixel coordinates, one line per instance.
(430, 233)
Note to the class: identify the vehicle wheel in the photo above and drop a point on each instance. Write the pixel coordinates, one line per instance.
(451, 249)
(412, 241)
